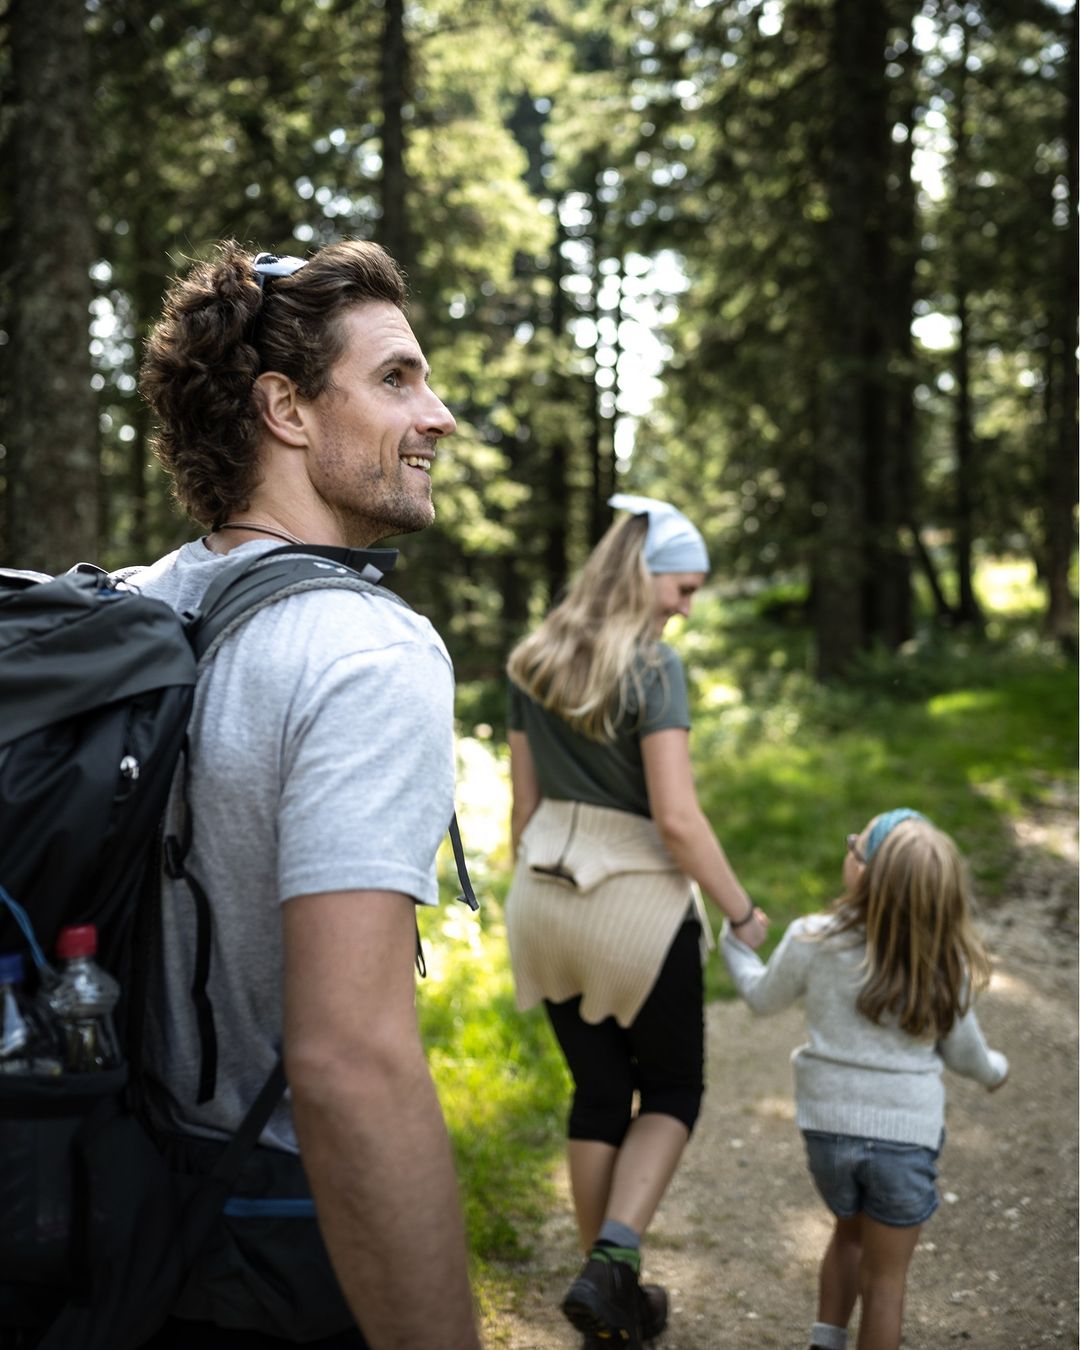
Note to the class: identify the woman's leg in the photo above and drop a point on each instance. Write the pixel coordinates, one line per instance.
(601, 1064)
(592, 1165)
(886, 1255)
(668, 1042)
(838, 1282)
(643, 1168)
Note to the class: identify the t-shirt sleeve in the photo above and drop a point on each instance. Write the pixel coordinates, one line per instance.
(368, 778)
(667, 703)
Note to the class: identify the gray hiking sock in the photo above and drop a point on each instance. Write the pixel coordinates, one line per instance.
(824, 1336)
(618, 1234)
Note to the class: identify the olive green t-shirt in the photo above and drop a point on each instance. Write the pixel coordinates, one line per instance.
(571, 767)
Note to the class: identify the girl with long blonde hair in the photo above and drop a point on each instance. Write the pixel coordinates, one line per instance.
(888, 975)
(603, 923)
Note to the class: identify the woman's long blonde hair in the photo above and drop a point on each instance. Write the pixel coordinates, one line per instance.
(586, 660)
(924, 960)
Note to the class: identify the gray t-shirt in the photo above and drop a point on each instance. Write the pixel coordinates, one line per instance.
(571, 767)
(321, 760)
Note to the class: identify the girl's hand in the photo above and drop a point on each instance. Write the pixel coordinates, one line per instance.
(754, 931)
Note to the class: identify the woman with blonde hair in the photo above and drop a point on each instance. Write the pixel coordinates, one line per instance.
(888, 976)
(603, 923)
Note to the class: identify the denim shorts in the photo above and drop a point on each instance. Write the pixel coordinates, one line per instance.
(895, 1184)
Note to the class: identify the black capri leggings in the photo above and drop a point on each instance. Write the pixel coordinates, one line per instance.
(661, 1054)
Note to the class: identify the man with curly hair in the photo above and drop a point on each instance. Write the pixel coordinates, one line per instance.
(293, 405)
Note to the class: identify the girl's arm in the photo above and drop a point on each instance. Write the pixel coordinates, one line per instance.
(687, 833)
(773, 987)
(965, 1051)
(524, 785)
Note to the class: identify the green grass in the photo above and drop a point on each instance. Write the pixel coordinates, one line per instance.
(974, 732)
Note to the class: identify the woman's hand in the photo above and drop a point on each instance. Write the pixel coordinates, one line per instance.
(754, 931)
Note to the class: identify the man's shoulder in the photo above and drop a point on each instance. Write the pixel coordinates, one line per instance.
(341, 620)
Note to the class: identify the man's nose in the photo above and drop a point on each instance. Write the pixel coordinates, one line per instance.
(436, 418)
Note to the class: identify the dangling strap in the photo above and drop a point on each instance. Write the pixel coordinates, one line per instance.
(468, 895)
(247, 1134)
(421, 963)
(175, 853)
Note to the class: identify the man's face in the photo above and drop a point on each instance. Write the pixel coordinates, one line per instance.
(376, 428)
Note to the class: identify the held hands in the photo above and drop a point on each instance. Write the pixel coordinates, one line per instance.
(752, 929)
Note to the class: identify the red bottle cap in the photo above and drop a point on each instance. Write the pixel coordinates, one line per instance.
(77, 941)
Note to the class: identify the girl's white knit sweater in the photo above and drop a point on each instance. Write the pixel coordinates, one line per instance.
(853, 1076)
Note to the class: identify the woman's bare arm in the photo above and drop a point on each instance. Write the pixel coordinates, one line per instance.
(524, 784)
(687, 833)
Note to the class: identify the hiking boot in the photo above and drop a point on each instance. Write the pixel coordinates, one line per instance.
(652, 1310)
(605, 1302)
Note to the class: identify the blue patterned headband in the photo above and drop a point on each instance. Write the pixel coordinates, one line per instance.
(884, 826)
(672, 544)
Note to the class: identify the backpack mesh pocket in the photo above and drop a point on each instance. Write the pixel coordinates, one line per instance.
(43, 1194)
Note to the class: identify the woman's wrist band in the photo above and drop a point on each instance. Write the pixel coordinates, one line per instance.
(741, 923)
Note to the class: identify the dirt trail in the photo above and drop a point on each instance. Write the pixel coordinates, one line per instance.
(740, 1233)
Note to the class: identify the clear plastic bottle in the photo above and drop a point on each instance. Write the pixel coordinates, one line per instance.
(27, 1042)
(82, 1002)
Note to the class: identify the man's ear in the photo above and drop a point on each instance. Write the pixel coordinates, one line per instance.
(283, 413)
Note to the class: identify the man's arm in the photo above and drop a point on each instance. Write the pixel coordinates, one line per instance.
(371, 1132)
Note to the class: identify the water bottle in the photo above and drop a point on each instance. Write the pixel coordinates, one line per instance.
(27, 1041)
(82, 1003)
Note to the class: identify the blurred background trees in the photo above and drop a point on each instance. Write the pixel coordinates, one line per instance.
(808, 267)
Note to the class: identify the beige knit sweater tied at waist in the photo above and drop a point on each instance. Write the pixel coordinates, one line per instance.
(594, 907)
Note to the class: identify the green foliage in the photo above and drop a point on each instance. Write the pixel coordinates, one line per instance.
(503, 1091)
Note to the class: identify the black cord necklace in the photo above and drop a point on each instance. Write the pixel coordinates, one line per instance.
(258, 529)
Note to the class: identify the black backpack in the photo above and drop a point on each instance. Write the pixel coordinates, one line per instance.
(105, 1219)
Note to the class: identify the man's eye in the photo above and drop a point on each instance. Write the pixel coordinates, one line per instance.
(392, 377)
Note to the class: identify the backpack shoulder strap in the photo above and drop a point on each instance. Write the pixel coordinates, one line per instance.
(239, 592)
(230, 600)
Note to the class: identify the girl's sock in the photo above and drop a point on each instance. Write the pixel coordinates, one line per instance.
(823, 1336)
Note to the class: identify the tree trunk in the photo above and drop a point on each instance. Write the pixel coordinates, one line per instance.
(837, 565)
(885, 579)
(394, 229)
(942, 609)
(558, 461)
(967, 606)
(51, 498)
(1060, 480)
(595, 436)
(897, 624)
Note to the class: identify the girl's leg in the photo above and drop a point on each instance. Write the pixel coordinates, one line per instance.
(886, 1255)
(838, 1282)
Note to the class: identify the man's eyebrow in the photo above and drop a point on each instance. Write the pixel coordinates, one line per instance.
(408, 360)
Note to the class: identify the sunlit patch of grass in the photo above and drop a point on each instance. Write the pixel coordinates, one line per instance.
(501, 1083)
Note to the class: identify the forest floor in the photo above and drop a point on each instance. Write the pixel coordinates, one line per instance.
(739, 1235)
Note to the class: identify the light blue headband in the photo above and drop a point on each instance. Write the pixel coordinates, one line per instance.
(884, 826)
(672, 544)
